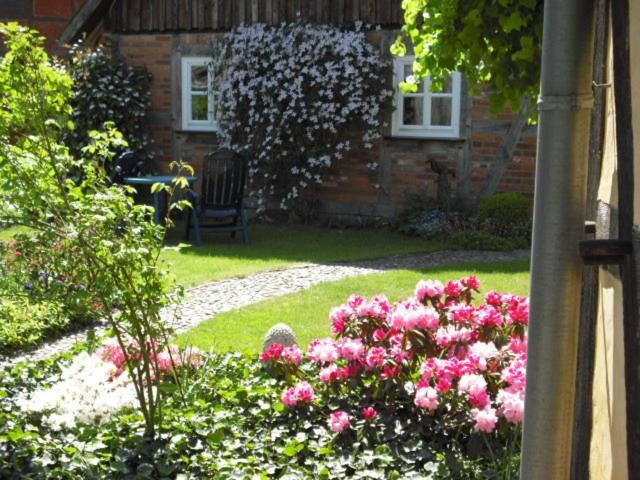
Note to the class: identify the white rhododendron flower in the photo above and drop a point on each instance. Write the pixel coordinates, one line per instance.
(86, 392)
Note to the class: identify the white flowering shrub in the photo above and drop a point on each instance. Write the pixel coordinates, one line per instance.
(86, 392)
(295, 98)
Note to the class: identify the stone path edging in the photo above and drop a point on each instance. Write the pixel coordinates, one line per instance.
(205, 301)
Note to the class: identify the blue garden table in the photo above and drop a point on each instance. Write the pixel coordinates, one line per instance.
(159, 196)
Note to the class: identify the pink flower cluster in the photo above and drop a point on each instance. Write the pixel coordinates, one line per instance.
(464, 354)
(162, 363)
(299, 395)
(278, 352)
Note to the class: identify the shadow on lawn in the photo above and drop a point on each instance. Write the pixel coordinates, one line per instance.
(301, 244)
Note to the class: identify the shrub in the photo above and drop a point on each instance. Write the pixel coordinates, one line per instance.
(481, 240)
(25, 324)
(506, 214)
(291, 96)
(105, 89)
(103, 240)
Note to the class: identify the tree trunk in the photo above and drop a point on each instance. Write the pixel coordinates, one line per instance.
(505, 152)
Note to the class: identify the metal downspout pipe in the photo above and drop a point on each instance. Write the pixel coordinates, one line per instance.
(559, 215)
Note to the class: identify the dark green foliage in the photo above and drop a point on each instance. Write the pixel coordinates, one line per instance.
(480, 240)
(105, 89)
(232, 425)
(507, 215)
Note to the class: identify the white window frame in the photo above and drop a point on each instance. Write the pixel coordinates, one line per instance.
(211, 124)
(426, 130)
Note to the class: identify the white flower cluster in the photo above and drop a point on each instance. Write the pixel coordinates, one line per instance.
(291, 96)
(85, 393)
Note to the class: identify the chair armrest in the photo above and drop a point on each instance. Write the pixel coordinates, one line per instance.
(195, 199)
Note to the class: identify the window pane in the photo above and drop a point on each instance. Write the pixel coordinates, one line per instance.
(199, 107)
(412, 112)
(408, 72)
(199, 78)
(441, 111)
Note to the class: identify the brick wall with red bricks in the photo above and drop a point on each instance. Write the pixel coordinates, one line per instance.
(352, 190)
(50, 17)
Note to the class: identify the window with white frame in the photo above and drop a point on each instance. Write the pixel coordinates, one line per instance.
(198, 102)
(425, 114)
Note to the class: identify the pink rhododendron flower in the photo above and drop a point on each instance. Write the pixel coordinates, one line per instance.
(429, 289)
(301, 394)
(485, 419)
(351, 349)
(369, 413)
(427, 398)
(375, 357)
(453, 288)
(378, 307)
(518, 345)
(389, 372)
(460, 313)
(329, 374)
(480, 352)
(486, 316)
(323, 351)
(511, 405)
(339, 421)
(340, 316)
(274, 352)
(494, 299)
(379, 335)
(471, 282)
(355, 301)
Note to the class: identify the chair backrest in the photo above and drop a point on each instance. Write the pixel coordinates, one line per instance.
(127, 164)
(223, 179)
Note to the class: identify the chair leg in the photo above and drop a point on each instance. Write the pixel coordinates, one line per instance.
(196, 227)
(235, 222)
(188, 222)
(245, 229)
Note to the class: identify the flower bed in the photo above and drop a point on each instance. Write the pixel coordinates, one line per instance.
(427, 387)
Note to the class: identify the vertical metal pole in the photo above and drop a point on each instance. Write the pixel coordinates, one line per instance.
(559, 214)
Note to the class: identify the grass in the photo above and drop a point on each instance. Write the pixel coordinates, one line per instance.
(307, 312)
(276, 246)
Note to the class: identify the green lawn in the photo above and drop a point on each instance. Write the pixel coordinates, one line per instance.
(275, 246)
(307, 312)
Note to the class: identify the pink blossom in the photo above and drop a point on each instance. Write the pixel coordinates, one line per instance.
(480, 352)
(427, 398)
(369, 413)
(389, 372)
(323, 351)
(429, 289)
(471, 282)
(471, 383)
(494, 299)
(379, 335)
(486, 315)
(292, 354)
(378, 307)
(511, 405)
(351, 349)
(340, 316)
(274, 352)
(329, 374)
(375, 357)
(453, 288)
(485, 419)
(339, 421)
(518, 345)
(355, 301)
(301, 394)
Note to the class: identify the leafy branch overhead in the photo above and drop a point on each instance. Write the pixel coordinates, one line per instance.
(495, 43)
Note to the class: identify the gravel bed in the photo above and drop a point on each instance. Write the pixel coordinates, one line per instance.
(205, 301)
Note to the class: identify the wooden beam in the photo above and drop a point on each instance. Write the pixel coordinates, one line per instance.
(82, 20)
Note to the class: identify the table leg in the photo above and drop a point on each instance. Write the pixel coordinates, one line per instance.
(157, 206)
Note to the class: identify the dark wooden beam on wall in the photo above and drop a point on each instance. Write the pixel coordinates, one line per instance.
(625, 156)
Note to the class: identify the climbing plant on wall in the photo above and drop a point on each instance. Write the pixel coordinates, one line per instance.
(296, 98)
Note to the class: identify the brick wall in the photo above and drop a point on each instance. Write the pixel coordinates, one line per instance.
(50, 17)
(352, 190)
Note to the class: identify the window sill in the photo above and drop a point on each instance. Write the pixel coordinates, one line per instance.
(424, 138)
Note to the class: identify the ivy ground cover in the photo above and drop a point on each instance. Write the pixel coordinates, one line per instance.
(307, 311)
(428, 387)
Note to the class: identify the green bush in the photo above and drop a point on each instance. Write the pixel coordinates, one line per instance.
(231, 425)
(506, 214)
(24, 324)
(105, 89)
(479, 240)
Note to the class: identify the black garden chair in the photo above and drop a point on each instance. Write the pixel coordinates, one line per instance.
(222, 188)
(127, 164)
